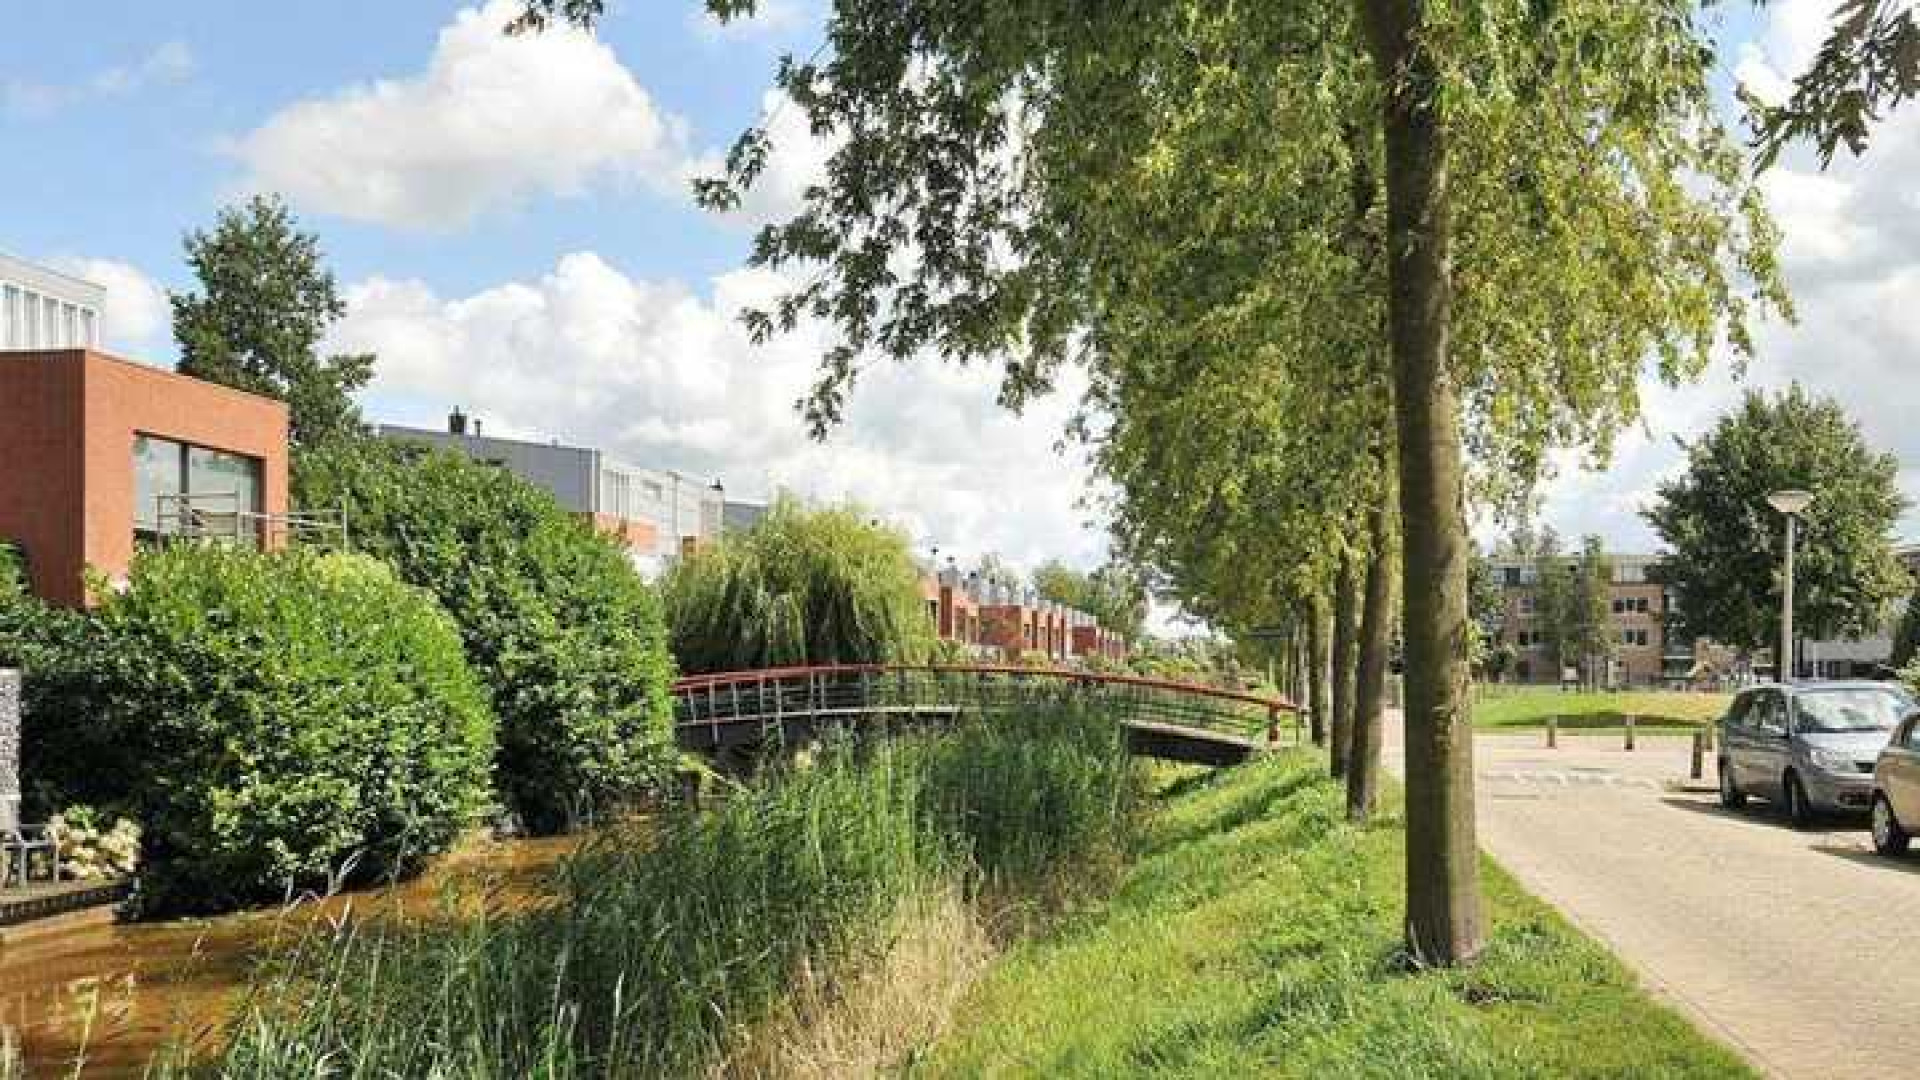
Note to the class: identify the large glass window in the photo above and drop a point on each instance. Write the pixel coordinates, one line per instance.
(182, 488)
(159, 472)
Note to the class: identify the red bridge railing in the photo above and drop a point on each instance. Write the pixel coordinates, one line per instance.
(778, 697)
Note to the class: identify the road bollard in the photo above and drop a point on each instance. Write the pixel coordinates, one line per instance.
(1629, 731)
(1699, 755)
(1553, 732)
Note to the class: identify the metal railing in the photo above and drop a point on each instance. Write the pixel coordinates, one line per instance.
(770, 699)
(216, 517)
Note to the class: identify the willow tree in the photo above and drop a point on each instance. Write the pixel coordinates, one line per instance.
(969, 212)
(802, 586)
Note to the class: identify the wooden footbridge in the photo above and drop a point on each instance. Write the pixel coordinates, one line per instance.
(728, 713)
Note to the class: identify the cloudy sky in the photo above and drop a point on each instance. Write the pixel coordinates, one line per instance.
(510, 223)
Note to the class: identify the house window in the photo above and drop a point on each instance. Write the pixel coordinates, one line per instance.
(173, 480)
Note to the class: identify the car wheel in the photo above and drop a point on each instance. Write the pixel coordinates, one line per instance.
(1731, 796)
(1799, 811)
(1888, 837)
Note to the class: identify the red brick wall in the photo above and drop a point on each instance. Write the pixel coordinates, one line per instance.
(42, 468)
(82, 410)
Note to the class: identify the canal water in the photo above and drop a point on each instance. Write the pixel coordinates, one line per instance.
(106, 997)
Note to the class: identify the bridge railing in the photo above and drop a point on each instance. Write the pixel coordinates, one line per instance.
(771, 697)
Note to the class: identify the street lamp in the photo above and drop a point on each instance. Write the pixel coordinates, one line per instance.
(1791, 503)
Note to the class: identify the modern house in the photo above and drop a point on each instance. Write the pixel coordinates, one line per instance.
(45, 309)
(656, 513)
(104, 452)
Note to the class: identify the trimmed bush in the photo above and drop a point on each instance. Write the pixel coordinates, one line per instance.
(275, 722)
(552, 614)
(800, 587)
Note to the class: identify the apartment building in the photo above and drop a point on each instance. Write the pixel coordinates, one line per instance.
(657, 513)
(44, 309)
(1640, 611)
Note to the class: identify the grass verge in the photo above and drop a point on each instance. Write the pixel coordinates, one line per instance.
(1504, 707)
(1257, 935)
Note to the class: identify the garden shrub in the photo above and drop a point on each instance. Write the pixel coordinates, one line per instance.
(280, 721)
(553, 616)
(801, 586)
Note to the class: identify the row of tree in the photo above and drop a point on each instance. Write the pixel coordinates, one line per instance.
(1313, 256)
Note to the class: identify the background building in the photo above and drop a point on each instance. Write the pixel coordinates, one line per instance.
(45, 309)
(1639, 613)
(656, 513)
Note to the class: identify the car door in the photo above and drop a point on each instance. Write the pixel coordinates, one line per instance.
(1900, 773)
(1766, 758)
(1736, 734)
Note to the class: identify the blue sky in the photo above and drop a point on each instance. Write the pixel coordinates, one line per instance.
(130, 170)
(510, 224)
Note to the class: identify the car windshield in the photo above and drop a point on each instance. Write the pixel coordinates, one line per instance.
(1834, 711)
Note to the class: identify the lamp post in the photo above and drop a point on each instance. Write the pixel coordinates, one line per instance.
(1791, 503)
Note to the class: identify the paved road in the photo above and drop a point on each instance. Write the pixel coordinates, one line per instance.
(1801, 949)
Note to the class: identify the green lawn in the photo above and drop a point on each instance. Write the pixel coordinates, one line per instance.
(1257, 935)
(1530, 706)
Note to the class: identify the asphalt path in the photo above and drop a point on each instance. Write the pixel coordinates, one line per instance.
(1801, 949)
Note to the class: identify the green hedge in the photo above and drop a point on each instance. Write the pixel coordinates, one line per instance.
(553, 616)
(273, 722)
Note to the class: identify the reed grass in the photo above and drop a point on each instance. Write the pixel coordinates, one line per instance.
(666, 947)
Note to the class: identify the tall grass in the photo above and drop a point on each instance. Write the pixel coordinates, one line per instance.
(667, 945)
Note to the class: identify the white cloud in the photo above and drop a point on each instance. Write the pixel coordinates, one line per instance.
(796, 160)
(136, 318)
(493, 120)
(653, 373)
(169, 62)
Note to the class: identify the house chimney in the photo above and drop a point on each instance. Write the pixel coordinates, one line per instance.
(456, 422)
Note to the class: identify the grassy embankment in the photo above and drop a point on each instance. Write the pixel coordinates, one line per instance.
(1257, 935)
(1524, 707)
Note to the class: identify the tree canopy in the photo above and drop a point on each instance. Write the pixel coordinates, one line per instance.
(1724, 541)
(267, 300)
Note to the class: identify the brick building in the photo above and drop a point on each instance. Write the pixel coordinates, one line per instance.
(103, 452)
(1639, 617)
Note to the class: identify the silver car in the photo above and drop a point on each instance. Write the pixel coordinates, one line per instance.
(1896, 789)
(1808, 747)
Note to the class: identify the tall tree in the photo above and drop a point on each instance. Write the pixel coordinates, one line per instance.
(1591, 629)
(267, 300)
(1605, 218)
(1725, 541)
(1376, 631)
(1347, 599)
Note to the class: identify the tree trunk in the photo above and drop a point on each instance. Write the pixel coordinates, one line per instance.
(1375, 641)
(1346, 602)
(1444, 916)
(1318, 659)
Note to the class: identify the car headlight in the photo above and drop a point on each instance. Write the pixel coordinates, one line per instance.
(1833, 761)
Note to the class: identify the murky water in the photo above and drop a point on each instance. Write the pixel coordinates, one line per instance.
(106, 997)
